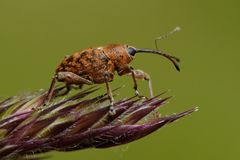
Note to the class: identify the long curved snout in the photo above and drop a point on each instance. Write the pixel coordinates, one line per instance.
(173, 59)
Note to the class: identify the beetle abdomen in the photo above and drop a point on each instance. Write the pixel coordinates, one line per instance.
(91, 64)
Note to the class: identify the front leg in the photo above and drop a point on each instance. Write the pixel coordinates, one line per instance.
(137, 74)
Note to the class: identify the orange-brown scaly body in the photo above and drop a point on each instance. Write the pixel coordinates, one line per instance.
(96, 64)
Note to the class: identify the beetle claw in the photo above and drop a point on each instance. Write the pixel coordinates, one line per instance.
(137, 93)
(112, 110)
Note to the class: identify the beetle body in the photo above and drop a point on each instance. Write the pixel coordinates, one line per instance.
(98, 65)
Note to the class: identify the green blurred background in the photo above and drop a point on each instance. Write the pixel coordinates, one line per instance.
(35, 36)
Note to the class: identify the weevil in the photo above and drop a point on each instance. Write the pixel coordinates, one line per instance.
(98, 65)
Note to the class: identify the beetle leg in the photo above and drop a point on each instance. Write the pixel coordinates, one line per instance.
(110, 95)
(137, 74)
(72, 78)
(51, 89)
(135, 86)
(69, 78)
(68, 89)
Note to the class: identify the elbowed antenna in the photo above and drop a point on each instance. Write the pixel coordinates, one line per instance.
(173, 59)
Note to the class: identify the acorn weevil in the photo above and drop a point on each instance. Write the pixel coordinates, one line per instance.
(98, 65)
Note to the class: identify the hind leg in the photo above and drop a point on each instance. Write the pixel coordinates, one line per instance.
(70, 79)
(50, 90)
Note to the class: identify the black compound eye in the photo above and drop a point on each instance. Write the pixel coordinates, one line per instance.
(131, 51)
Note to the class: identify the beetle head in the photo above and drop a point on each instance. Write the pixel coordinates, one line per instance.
(131, 50)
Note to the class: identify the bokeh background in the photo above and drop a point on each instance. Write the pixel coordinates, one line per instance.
(35, 36)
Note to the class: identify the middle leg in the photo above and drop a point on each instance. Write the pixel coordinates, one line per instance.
(110, 95)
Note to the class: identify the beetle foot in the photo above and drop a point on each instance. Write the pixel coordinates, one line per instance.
(112, 110)
(139, 96)
(137, 93)
(38, 108)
